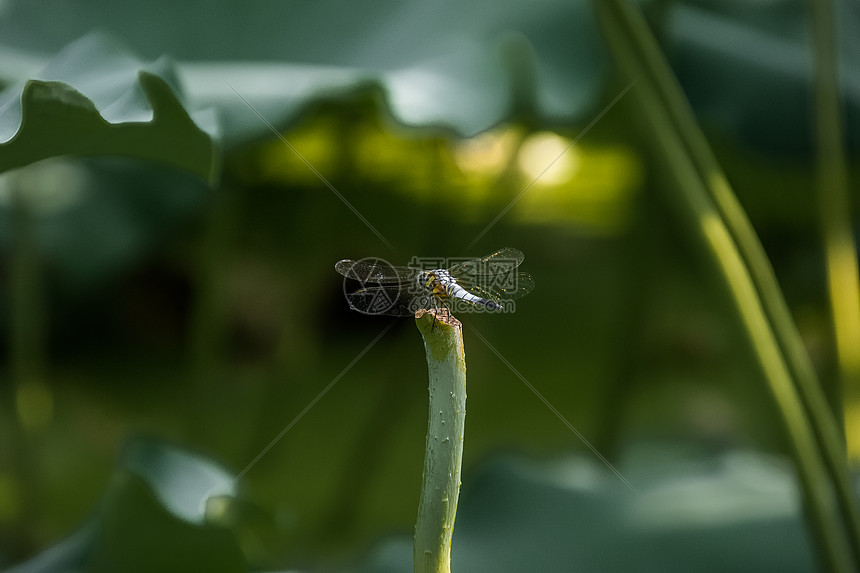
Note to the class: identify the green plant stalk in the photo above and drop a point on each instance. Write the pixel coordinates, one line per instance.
(443, 455)
(722, 225)
(207, 332)
(821, 417)
(835, 206)
(824, 425)
(840, 251)
(651, 64)
(26, 354)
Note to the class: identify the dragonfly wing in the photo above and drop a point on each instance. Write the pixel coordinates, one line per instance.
(374, 271)
(386, 300)
(501, 261)
(524, 284)
(498, 288)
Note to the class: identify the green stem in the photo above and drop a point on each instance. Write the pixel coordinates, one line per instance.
(821, 417)
(840, 251)
(443, 456)
(26, 357)
(813, 398)
(716, 184)
(728, 235)
(208, 316)
(834, 203)
(207, 332)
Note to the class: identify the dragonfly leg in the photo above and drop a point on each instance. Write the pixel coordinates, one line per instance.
(447, 310)
(436, 302)
(436, 309)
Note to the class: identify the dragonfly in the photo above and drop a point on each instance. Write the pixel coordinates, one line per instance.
(487, 283)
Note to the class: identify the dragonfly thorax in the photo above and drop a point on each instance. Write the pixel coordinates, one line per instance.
(438, 282)
(442, 276)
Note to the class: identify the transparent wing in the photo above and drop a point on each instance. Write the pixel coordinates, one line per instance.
(500, 287)
(500, 262)
(375, 271)
(387, 300)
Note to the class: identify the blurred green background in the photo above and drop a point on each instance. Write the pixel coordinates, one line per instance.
(146, 305)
